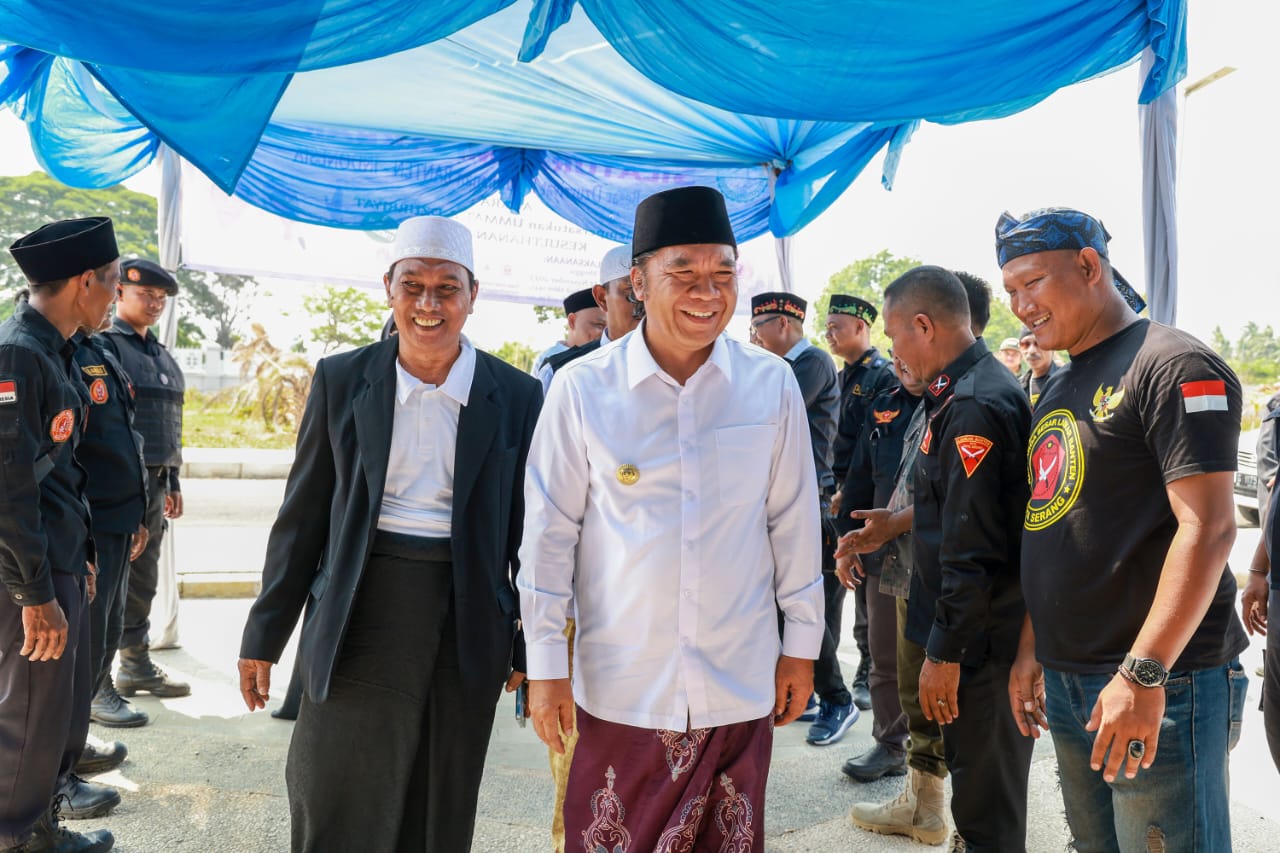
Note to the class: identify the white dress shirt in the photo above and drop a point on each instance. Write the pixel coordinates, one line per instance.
(674, 580)
(418, 497)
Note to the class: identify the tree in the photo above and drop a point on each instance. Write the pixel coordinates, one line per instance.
(1003, 323)
(549, 313)
(866, 279)
(516, 354)
(220, 299)
(29, 201)
(190, 335)
(1255, 357)
(345, 317)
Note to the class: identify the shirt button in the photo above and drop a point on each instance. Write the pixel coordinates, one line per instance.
(684, 641)
(688, 544)
(688, 495)
(688, 593)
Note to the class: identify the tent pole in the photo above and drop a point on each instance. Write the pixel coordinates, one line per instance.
(1158, 133)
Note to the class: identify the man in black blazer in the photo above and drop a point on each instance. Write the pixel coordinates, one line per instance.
(399, 532)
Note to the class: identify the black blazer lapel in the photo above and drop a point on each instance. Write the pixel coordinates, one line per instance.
(477, 425)
(374, 413)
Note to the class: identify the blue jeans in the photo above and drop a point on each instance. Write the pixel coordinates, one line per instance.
(1182, 803)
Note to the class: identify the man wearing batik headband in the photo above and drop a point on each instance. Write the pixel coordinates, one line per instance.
(672, 508)
(399, 534)
(777, 324)
(865, 375)
(1125, 546)
(46, 551)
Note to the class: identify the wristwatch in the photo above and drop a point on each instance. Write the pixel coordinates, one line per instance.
(1144, 672)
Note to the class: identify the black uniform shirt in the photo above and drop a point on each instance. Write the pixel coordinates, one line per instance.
(816, 375)
(158, 387)
(1128, 416)
(44, 518)
(1271, 520)
(860, 382)
(873, 472)
(971, 493)
(111, 451)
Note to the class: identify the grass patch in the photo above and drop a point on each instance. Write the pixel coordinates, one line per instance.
(211, 423)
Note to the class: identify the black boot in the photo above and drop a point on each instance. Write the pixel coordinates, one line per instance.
(101, 756)
(48, 837)
(108, 709)
(138, 673)
(83, 800)
(861, 688)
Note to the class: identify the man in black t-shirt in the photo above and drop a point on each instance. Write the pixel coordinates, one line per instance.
(1124, 550)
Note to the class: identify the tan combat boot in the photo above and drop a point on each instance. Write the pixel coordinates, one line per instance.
(918, 812)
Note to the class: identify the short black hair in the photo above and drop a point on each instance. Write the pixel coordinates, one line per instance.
(933, 291)
(979, 293)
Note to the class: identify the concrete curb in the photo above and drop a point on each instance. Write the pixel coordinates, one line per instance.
(233, 463)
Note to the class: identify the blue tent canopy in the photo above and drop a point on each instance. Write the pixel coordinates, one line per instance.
(358, 114)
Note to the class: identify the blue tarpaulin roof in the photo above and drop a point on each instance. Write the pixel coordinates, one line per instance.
(358, 114)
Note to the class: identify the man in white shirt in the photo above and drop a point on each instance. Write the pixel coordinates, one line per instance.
(671, 508)
(586, 324)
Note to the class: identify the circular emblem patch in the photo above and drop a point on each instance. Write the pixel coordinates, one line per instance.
(60, 429)
(628, 475)
(1055, 469)
(98, 391)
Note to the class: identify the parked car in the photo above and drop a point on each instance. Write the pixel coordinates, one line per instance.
(1247, 477)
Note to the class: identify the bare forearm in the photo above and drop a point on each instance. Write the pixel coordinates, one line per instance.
(1188, 581)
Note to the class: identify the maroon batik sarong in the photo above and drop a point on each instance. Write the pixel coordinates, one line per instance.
(635, 789)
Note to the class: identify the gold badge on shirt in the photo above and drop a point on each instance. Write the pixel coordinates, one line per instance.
(628, 475)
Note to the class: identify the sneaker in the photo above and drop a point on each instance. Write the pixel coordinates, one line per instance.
(810, 710)
(832, 723)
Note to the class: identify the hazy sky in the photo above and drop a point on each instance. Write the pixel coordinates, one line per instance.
(1078, 148)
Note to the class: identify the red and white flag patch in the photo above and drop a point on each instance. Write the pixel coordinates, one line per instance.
(8, 391)
(973, 449)
(1208, 395)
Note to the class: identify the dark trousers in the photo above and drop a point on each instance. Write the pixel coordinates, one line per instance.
(989, 761)
(44, 711)
(889, 724)
(392, 760)
(860, 620)
(1271, 678)
(106, 613)
(144, 571)
(828, 680)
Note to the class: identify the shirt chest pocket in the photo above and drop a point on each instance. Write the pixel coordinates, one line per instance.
(744, 455)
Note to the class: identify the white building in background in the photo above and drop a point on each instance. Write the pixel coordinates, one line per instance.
(207, 370)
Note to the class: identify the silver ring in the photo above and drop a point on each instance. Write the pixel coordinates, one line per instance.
(1137, 749)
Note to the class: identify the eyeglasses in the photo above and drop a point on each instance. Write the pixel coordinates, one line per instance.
(759, 324)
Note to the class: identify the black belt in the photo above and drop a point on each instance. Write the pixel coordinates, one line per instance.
(406, 547)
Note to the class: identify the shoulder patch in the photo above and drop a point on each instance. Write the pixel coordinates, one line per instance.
(98, 391)
(8, 391)
(94, 370)
(60, 428)
(1208, 395)
(973, 449)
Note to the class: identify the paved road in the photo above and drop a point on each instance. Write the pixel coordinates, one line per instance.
(207, 776)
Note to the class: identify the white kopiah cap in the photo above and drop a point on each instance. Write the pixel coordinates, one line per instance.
(616, 264)
(433, 237)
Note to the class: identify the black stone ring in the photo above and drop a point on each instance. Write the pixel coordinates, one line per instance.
(1137, 749)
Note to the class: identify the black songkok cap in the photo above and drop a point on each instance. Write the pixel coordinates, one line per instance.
(778, 302)
(147, 274)
(681, 217)
(853, 306)
(579, 301)
(65, 248)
